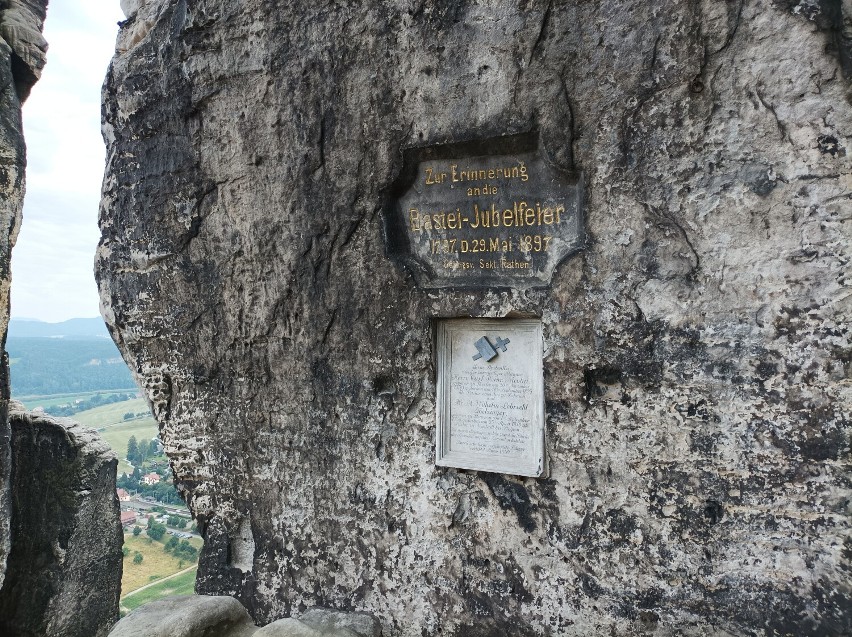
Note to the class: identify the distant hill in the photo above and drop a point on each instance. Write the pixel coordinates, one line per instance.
(72, 328)
(60, 358)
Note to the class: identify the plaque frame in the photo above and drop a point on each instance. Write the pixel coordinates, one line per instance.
(439, 258)
(533, 463)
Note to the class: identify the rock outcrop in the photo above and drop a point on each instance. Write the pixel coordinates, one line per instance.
(63, 575)
(22, 57)
(696, 351)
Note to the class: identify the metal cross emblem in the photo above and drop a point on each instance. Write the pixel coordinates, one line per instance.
(486, 350)
(501, 343)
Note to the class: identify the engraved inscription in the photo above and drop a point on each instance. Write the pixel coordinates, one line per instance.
(491, 411)
(489, 220)
(490, 407)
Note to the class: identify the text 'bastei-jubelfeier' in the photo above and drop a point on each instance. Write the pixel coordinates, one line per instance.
(498, 220)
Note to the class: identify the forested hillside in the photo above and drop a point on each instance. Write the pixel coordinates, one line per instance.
(40, 366)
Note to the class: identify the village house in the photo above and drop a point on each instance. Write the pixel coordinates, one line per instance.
(123, 496)
(128, 518)
(150, 478)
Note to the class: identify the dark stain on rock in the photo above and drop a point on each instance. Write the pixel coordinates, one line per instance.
(383, 386)
(495, 628)
(828, 17)
(763, 184)
(765, 369)
(702, 443)
(512, 497)
(590, 586)
(713, 511)
(828, 145)
(621, 525)
(658, 347)
(598, 379)
(823, 612)
(547, 489)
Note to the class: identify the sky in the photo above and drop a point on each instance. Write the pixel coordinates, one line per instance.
(53, 259)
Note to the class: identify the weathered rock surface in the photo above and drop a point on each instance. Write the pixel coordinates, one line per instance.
(219, 616)
(187, 616)
(63, 574)
(22, 57)
(697, 352)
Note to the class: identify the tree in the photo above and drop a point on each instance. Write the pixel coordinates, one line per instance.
(184, 550)
(132, 450)
(172, 543)
(156, 531)
(129, 416)
(152, 449)
(125, 551)
(137, 557)
(136, 531)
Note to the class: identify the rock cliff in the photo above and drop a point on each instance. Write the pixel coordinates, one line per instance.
(63, 575)
(22, 57)
(697, 357)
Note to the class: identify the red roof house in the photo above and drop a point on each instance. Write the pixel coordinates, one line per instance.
(150, 478)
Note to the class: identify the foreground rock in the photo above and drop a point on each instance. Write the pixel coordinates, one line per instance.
(696, 352)
(212, 616)
(187, 616)
(63, 574)
(22, 57)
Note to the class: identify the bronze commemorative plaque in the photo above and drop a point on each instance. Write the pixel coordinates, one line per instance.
(503, 219)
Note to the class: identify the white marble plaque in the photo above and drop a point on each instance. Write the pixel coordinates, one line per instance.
(490, 400)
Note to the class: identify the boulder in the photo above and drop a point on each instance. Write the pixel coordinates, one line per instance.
(187, 616)
(321, 622)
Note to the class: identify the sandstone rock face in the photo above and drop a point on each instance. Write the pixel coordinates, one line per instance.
(22, 57)
(697, 355)
(63, 574)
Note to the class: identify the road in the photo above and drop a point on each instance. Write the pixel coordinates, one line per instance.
(143, 506)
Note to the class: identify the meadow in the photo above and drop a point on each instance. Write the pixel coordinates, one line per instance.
(183, 584)
(108, 420)
(156, 563)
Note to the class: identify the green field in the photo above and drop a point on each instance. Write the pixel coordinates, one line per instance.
(118, 435)
(183, 584)
(113, 414)
(156, 563)
(108, 420)
(31, 402)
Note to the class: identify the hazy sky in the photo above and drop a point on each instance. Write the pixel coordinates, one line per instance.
(52, 261)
